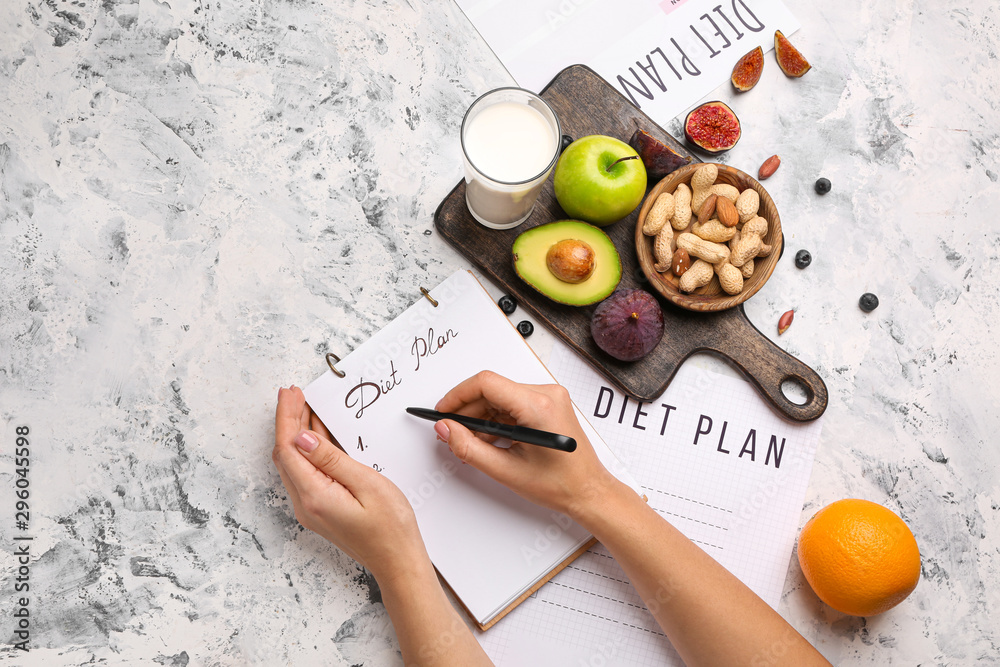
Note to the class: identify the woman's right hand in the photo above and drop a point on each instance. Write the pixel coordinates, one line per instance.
(701, 606)
(568, 482)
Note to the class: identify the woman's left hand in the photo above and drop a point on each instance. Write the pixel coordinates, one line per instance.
(343, 500)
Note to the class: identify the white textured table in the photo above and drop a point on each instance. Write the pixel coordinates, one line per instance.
(200, 199)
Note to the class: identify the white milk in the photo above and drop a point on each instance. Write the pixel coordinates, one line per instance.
(510, 142)
(509, 148)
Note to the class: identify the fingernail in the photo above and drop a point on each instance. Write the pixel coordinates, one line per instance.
(306, 441)
(442, 430)
(280, 389)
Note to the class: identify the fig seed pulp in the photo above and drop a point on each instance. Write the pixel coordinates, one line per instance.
(747, 71)
(791, 62)
(713, 127)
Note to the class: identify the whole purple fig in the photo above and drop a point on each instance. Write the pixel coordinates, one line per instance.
(628, 324)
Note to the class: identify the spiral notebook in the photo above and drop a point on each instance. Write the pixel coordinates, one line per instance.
(491, 547)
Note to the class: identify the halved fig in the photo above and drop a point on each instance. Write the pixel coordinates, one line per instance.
(789, 59)
(658, 158)
(713, 127)
(747, 71)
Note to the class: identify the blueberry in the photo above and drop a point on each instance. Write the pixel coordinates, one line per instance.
(565, 141)
(803, 259)
(823, 186)
(868, 302)
(507, 304)
(525, 328)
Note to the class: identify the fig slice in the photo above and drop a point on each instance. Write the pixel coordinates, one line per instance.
(713, 127)
(658, 158)
(628, 324)
(747, 71)
(789, 59)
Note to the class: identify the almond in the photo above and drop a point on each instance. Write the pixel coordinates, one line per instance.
(726, 212)
(785, 321)
(707, 208)
(768, 168)
(681, 262)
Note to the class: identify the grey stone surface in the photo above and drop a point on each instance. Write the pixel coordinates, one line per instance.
(200, 199)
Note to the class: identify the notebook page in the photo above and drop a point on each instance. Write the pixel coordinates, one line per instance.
(489, 544)
(737, 493)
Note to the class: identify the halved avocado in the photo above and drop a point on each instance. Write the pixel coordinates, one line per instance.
(531, 251)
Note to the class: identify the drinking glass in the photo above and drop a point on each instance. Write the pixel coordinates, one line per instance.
(510, 143)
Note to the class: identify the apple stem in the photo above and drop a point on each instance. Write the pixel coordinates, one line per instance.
(627, 157)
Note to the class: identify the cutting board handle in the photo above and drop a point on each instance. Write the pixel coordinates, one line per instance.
(767, 366)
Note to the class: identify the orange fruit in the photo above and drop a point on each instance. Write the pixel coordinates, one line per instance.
(859, 557)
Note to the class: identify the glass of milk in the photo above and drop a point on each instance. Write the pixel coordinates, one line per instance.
(510, 141)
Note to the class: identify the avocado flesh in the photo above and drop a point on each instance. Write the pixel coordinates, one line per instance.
(531, 246)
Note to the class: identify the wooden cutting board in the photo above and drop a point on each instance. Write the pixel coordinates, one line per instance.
(586, 104)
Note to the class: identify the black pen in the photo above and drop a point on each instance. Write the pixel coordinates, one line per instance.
(531, 436)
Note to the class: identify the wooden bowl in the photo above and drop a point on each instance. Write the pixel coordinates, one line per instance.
(711, 297)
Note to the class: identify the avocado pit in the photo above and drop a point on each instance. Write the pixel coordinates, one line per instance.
(571, 260)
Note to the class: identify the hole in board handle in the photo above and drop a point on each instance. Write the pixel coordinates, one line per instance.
(796, 390)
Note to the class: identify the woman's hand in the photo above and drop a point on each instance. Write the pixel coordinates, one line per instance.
(343, 500)
(568, 482)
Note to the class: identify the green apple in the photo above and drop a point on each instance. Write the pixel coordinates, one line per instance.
(594, 184)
